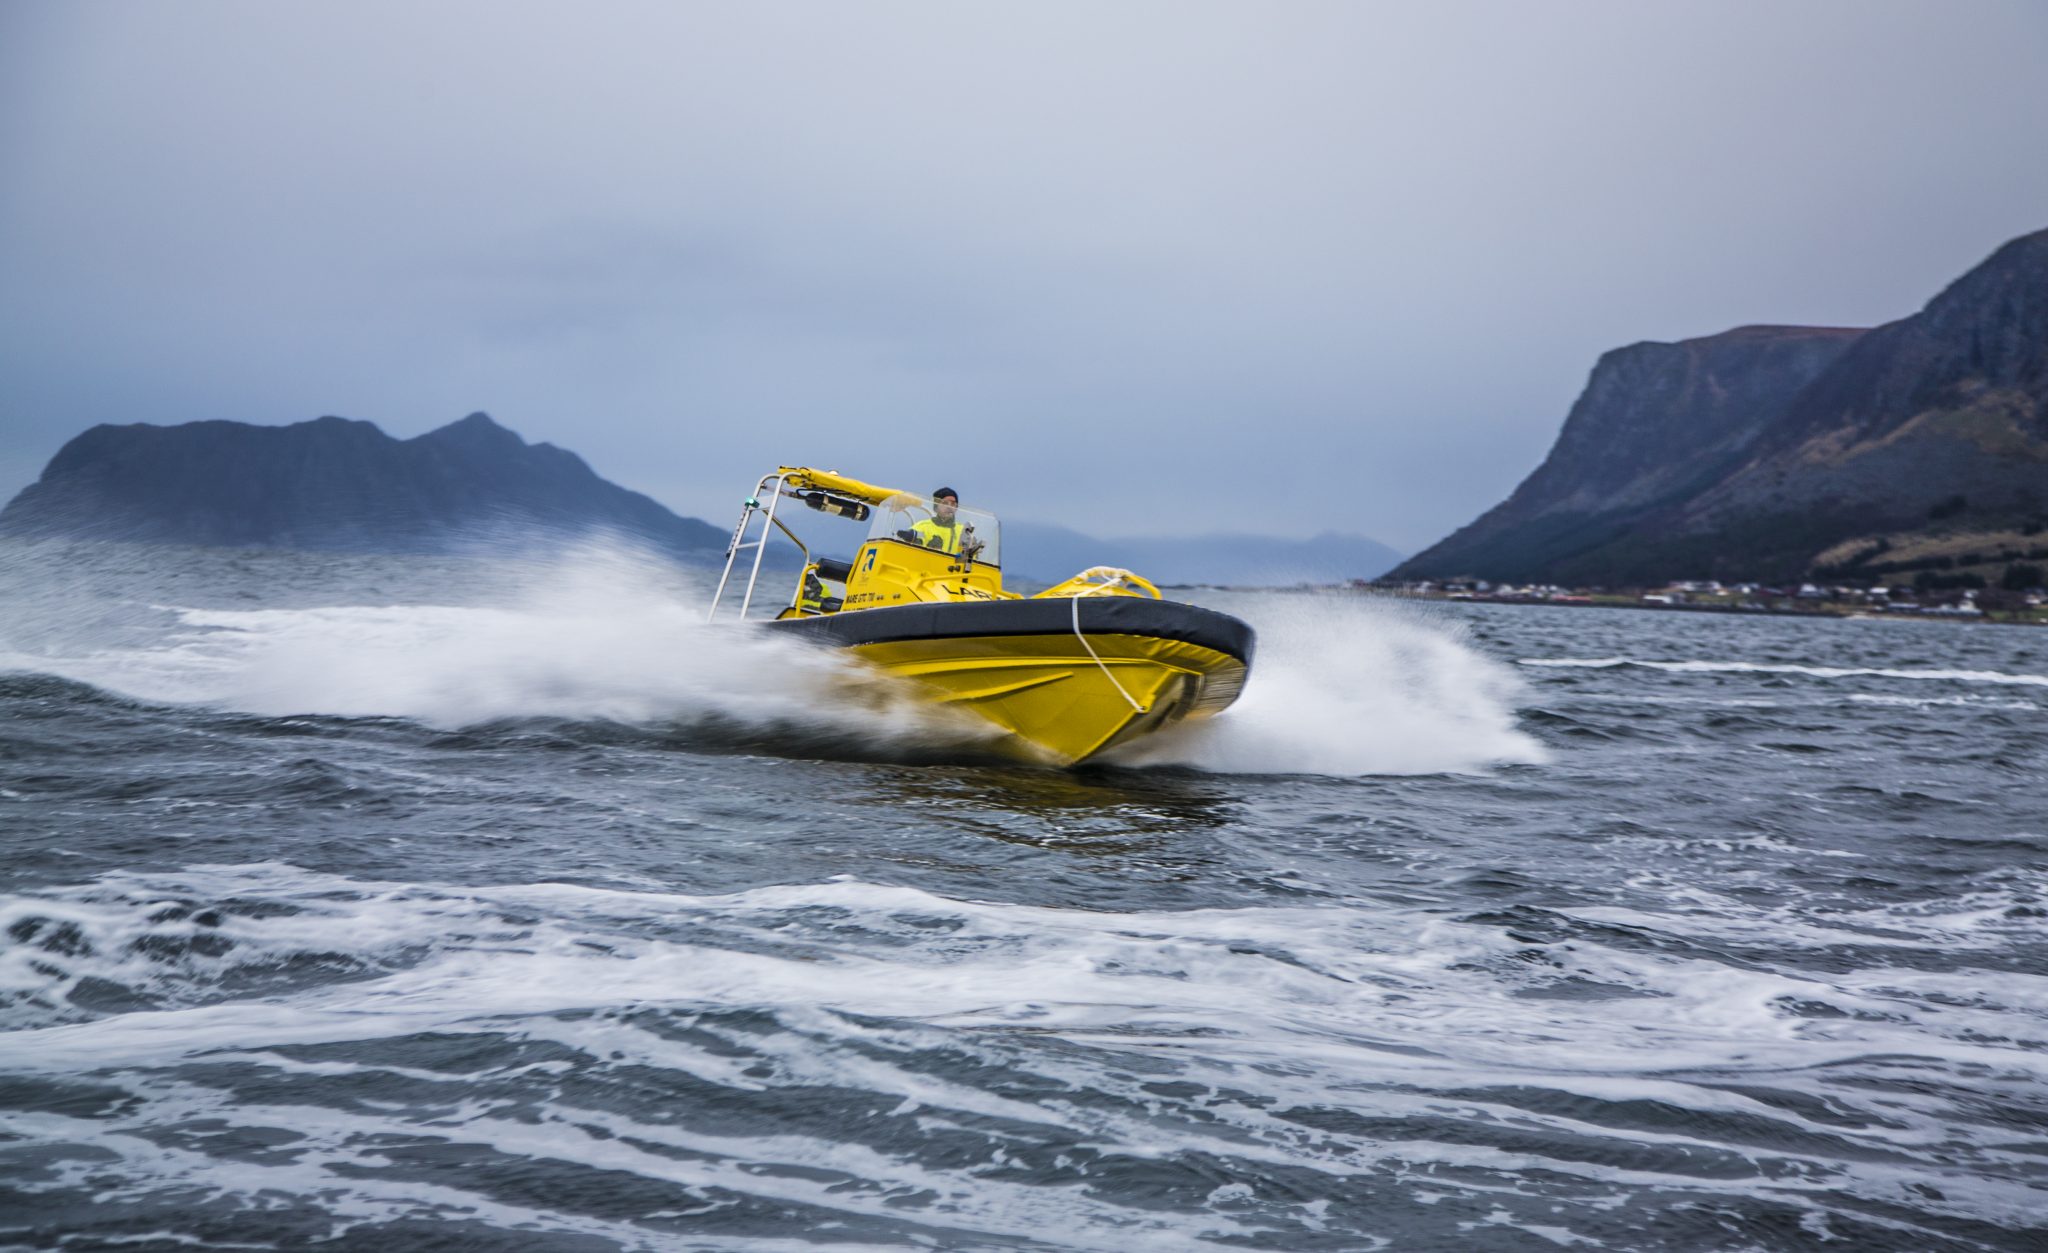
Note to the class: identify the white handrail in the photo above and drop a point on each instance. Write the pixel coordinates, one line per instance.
(754, 575)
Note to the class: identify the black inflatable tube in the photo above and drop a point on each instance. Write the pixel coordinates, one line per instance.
(1100, 615)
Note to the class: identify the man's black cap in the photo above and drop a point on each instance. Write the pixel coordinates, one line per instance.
(946, 491)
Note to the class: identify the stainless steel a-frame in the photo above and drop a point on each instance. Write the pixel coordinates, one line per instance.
(770, 491)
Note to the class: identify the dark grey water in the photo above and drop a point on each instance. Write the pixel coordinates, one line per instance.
(374, 905)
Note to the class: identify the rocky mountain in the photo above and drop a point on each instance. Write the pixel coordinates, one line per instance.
(1046, 554)
(331, 484)
(1776, 452)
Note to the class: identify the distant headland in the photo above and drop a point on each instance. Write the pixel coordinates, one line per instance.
(1913, 453)
(335, 484)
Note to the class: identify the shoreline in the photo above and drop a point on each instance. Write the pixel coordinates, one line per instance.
(1837, 613)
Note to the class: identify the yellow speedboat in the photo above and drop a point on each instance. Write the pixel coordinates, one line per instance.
(1081, 667)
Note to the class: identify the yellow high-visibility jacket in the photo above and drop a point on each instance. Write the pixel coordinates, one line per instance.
(940, 535)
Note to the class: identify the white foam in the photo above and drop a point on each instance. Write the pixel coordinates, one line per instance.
(1347, 687)
(1817, 672)
(442, 958)
(1940, 702)
(326, 1139)
(1322, 1006)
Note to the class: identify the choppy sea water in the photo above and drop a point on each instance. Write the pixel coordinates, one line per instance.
(368, 904)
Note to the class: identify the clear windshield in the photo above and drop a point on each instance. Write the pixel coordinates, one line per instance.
(938, 524)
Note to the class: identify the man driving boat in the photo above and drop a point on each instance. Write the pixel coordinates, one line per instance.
(942, 530)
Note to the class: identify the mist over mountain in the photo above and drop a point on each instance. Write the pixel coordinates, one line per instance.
(335, 484)
(1770, 452)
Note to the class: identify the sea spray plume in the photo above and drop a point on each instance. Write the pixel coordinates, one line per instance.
(1345, 687)
(598, 631)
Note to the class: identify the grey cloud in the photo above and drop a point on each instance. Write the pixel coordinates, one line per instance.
(1082, 257)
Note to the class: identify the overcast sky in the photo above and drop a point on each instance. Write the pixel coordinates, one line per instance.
(1137, 268)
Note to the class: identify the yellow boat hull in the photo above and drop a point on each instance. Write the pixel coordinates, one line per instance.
(1062, 694)
(1060, 704)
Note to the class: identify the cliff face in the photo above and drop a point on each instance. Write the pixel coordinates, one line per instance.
(332, 484)
(1951, 402)
(1656, 423)
(1750, 454)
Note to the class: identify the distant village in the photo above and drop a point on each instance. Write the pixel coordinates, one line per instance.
(2023, 604)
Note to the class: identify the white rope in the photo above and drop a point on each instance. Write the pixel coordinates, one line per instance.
(1076, 602)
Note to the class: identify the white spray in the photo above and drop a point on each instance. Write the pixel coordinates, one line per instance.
(1355, 687)
(599, 633)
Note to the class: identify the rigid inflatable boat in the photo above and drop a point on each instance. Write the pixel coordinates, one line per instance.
(1091, 663)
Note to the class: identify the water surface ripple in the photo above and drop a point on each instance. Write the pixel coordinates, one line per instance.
(366, 905)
